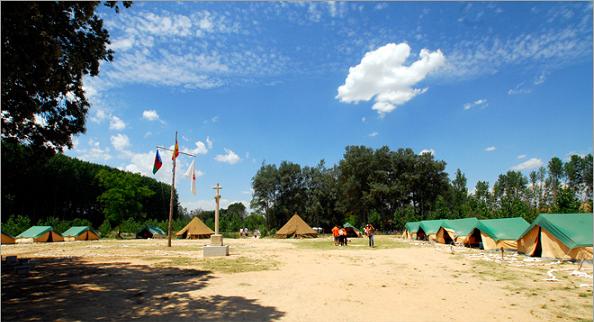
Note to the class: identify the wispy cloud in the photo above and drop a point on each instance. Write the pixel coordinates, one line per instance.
(373, 134)
(478, 103)
(490, 149)
(489, 54)
(194, 50)
(528, 164)
(521, 156)
(519, 89)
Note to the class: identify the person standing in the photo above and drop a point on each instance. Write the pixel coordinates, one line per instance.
(341, 236)
(370, 232)
(335, 234)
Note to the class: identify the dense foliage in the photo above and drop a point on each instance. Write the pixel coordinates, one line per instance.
(47, 48)
(67, 188)
(389, 188)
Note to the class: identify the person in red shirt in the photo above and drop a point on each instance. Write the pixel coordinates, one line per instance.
(370, 231)
(335, 234)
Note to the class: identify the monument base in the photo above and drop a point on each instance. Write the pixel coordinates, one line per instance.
(216, 240)
(213, 251)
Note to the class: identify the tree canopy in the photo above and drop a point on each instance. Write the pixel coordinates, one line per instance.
(47, 48)
(389, 188)
(69, 188)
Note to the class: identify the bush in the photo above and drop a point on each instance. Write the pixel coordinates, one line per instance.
(270, 232)
(105, 228)
(58, 225)
(130, 226)
(230, 234)
(180, 223)
(81, 222)
(16, 224)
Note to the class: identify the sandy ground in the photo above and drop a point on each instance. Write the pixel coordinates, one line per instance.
(292, 280)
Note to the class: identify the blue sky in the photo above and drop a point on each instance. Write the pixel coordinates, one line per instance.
(486, 87)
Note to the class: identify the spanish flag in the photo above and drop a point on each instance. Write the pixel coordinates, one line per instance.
(175, 151)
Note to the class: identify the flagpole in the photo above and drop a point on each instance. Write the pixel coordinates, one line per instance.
(171, 198)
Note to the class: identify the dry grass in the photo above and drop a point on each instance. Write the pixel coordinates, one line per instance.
(381, 242)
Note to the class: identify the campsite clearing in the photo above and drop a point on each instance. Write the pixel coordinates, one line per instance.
(278, 279)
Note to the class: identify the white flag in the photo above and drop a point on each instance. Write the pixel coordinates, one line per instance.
(192, 174)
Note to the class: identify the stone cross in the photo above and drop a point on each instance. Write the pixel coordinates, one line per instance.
(217, 199)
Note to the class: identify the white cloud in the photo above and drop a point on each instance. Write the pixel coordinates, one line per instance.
(521, 156)
(490, 149)
(99, 116)
(430, 151)
(480, 102)
(147, 134)
(383, 75)
(199, 148)
(373, 134)
(519, 89)
(150, 115)
(528, 164)
(120, 142)
(363, 119)
(208, 142)
(94, 153)
(523, 88)
(122, 44)
(540, 78)
(229, 157)
(116, 123)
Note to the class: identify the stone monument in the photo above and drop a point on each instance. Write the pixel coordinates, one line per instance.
(216, 247)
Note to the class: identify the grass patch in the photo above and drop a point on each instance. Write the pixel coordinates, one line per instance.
(222, 265)
(381, 242)
(584, 295)
(239, 265)
(495, 271)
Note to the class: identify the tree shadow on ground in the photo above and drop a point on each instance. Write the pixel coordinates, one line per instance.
(70, 289)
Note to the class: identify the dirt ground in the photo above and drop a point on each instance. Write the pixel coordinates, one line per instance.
(291, 280)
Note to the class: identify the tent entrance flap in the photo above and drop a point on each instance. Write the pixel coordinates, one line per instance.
(421, 234)
(538, 248)
(474, 240)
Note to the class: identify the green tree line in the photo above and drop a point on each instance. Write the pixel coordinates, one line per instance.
(40, 187)
(389, 188)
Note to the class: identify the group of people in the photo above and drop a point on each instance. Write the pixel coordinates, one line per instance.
(243, 232)
(340, 235)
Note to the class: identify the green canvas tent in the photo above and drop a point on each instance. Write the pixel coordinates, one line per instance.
(455, 230)
(428, 229)
(80, 233)
(150, 232)
(39, 234)
(351, 230)
(410, 229)
(566, 236)
(497, 233)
